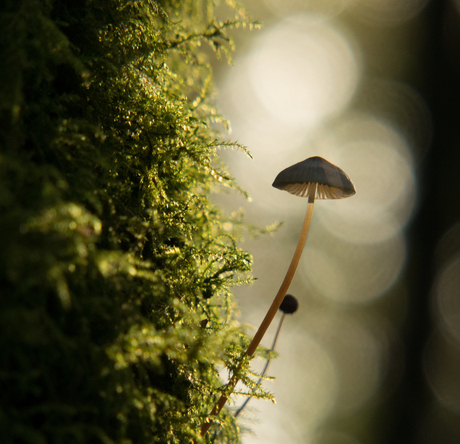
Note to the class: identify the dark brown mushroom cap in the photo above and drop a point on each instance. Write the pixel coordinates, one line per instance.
(289, 305)
(329, 181)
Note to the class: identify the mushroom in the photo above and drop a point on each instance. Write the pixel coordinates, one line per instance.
(289, 306)
(314, 178)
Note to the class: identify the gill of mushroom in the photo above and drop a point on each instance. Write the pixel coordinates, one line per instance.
(313, 178)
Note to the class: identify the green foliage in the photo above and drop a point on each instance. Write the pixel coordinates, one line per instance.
(112, 254)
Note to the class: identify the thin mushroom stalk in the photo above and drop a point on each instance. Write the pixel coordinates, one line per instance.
(313, 178)
(287, 279)
(271, 311)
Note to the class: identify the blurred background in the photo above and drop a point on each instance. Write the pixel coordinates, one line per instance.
(373, 353)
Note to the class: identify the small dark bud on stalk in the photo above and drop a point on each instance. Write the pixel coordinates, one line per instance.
(289, 305)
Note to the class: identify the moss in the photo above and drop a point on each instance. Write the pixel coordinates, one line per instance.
(112, 253)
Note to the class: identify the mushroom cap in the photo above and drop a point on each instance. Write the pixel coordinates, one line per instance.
(289, 305)
(328, 180)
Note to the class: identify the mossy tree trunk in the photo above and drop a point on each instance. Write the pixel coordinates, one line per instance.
(115, 268)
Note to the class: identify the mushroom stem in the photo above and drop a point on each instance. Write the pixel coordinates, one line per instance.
(287, 279)
(275, 304)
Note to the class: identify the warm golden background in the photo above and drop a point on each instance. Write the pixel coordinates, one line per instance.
(373, 354)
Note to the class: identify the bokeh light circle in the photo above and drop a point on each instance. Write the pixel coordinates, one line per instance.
(353, 273)
(287, 7)
(357, 354)
(334, 437)
(447, 298)
(399, 106)
(303, 69)
(441, 361)
(388, 12)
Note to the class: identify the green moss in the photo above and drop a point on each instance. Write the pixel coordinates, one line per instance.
(112, 253)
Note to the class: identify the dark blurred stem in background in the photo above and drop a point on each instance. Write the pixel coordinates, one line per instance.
(267, 363)
(439, 81)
